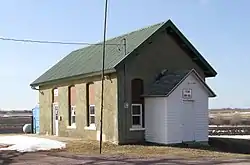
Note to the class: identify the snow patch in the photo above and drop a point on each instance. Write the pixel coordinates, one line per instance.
(246, 137)
(29, 144)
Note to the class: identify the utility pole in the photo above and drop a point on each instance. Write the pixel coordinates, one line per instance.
(103, 65)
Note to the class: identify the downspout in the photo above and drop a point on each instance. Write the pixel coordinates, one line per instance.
(125, 103)
(124, 71)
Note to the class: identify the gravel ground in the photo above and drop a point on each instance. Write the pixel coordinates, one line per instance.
(63, 158)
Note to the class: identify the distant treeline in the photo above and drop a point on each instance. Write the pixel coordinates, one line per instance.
(234, 119)
(14, 111)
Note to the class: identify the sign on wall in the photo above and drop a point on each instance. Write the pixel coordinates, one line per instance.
(187, 93)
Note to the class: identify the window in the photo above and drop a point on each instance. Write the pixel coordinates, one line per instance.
(90, 97)
(72, 106)
(187, 93)
(136, 115)
(137, 108)
(73, 115)
(92, 115)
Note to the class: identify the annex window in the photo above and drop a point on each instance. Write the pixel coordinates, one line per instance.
(72, 106)
(90, 97)
(136, 115)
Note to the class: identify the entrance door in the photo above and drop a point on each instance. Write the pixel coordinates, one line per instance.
(55, 119)
(188, 121)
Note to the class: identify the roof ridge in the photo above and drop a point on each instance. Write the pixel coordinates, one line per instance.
(139, 29)
(125, 34)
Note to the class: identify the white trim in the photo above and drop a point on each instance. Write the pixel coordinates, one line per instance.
(55, 120)
(91, 127)
(137, 129)
(73, 126)
(92, 115)
(55, 103)
(140, 115)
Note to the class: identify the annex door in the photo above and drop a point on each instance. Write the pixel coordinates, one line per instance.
(55, 124)
(188, 121)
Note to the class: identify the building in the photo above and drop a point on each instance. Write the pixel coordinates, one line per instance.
(70, 91)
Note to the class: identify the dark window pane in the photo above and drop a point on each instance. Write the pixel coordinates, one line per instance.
(56, 111)
(73, 119)
(136, 120)
(92, 110)
(136, 110)
(92, 119)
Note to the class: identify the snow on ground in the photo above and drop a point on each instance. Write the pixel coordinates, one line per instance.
(246, 137)
(29, 144)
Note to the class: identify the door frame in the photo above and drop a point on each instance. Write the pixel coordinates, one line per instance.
(55, 119)
(183, 131)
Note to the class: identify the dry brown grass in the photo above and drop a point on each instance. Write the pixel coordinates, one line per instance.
(92, 148)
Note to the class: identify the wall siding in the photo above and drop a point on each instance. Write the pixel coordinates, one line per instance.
(162, 53)
(155, 114)
(175, 105)
(110, 127)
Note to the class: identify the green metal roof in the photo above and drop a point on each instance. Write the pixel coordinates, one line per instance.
(89, 59)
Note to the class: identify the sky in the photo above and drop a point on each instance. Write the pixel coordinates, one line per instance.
(219, 29)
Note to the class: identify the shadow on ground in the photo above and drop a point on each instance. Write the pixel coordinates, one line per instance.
(240, 146)
(8, 157)
(63, 158)
(140, 161)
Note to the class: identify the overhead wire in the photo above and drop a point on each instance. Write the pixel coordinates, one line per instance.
(52, 42)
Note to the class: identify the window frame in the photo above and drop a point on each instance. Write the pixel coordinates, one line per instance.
(71, 115)
(70, 106)
(55, 107)
(133, 115)
(92, 115)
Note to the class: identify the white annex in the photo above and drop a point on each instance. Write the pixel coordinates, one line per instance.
(181, 115)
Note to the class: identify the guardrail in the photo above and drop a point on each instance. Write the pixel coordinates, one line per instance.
(229, 130)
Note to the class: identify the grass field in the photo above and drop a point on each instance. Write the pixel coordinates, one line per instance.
(198, 151)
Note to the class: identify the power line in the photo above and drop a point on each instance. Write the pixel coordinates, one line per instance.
(52, 42)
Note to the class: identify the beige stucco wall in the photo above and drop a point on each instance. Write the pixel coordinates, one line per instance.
(110, 127)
